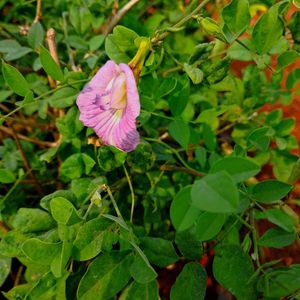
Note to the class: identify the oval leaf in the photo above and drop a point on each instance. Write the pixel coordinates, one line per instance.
(216, 193)
(277, 238)
(238, 167)
(182, 212)
(232, 269)
(49, 65)
(15, 79)
(269, 191)
(190, 284)
(105, 277)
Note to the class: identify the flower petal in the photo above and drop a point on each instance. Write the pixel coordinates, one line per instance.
(110, 105)
(133, 100)
(105, 74)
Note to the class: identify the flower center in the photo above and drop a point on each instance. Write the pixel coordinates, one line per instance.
(118, 95)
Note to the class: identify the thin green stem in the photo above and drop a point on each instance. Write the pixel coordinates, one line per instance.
(113, 201)
(160, 37)
(2, 118)
(171, 149)
(132, 193)
(255, 238)
(158, 115)
(243, 221)
(17, 182)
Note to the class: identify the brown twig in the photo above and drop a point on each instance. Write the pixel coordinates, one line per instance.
(25, 161)
(18, 276)
(118, 16)
(28, 139)
(53, 52)
(181, 169)
(38, 11)
(3, 227)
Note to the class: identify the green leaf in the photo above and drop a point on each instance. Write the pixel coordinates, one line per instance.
(208, 225)
(267, 31)
(63, 211)
(7, 176)
(295, 173)
(182, 212)
(195, 74)
(105, 277)
(285, 127)
(11, 243)
(15, 79)
(35, 35)
(138, 291)
(201, 156)
(96, 42)
(216, 193)
(238, 52)
(8, 45)
(239, 168)
(277, 238)
(190, 283)
(76, 165)
(165, 87)
(282, 282)
(80, 18)
(209, 137)
(48, 287)
(18, 292)
(141, 272)
(260, 138)
(58, 264)
(188, 243)
(32, 220)
(178, 99)
(41, 252)
(287, 58)
(63, 97)
(89, 239)
(160, 252)
(49, 65)
(180, 131)
(5, 265)
(280, 218)
(293, 78)
(119, 45)
(236, 16)
(232, 269)
(269, 191)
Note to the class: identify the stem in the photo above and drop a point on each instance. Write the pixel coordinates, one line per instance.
(2, 118)
(119, 15)
(243, 221)
(243, 45)
(31, 140)
(160, 37)
(25, 161)
(172, 150)
(38, 13)
(181, 169)
(2, 200)
(52, 49)
(255, 238)
(113, 201)
(132, 193)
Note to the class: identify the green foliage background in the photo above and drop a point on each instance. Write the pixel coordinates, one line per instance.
(79, 221)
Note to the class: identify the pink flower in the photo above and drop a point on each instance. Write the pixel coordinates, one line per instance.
(110, 104)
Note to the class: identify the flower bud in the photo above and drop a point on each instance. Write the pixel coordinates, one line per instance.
(211, 27)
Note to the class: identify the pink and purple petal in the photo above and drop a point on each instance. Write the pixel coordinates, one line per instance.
(110, 105)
